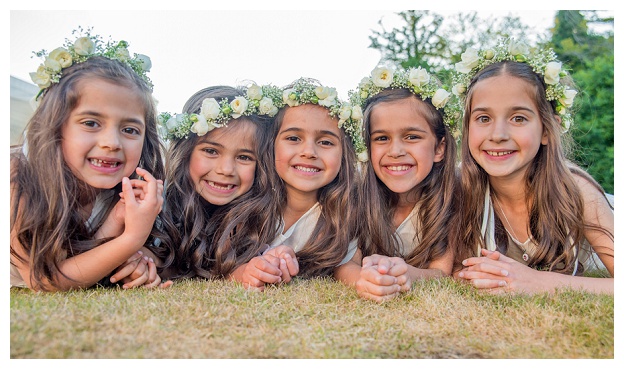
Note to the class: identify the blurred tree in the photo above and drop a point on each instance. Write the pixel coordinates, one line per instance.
(590, 56)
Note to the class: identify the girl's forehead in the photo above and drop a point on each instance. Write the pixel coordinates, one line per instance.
(240, 130)
(309, 116)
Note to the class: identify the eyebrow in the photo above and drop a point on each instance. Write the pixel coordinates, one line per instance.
(212, 143)
(100, 115)
(321, 131)
(513, 108)
(407, 129)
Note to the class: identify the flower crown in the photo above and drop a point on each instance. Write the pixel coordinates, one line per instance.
(543, 61)
(80, 50)
(418, 81)
(309, 91)
(259, 100)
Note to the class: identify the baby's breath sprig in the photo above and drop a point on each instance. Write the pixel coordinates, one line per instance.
(84, 47)
(543, 61)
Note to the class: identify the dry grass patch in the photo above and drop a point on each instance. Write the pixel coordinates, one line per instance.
(308, 319)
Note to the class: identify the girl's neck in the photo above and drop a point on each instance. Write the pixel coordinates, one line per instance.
(510, 192)
(404, 207)
(297, 204)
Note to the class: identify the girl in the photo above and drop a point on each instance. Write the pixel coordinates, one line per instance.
(212, 166)
(306, 217)
(532, 221)
(410, 177)
(94, 129)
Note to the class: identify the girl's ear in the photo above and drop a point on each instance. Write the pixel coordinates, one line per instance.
(440, 151)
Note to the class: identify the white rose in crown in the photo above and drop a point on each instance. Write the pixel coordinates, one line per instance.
(458, 89)
(238, 105)
(419, 77)
(470, 59)
(201, 127)
(84, 46)
(62, 56)
(440, 98)
(122, 54)
(518, 48)
(568, 97)
(290, 97)
(344, 114)
(327, 95)
(267, 107)
(356, 113)
(52, 65)
(174, 121)
(363, 156)
(254, 92)
(551, 74)
(41, 78)
(145, 61)
(210, 108)
(382, 76)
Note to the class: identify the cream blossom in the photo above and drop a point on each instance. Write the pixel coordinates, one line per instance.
(122, 54)
(52, 65)
(419, 76)
(470, 59)
(344, 113)
(201, 127)
(356, 113)
(568, 97)
(267, 107)
(238, 105)
(551, 74)
(518, 48)
(327, 95)
(458, 89)
(174, 121)
(210, 108)
(363, 156)
(440, 98)
(62, 56)
(146, 62)
(290, 97)
(382, 76)
(84, 46)
(254, 92)
(41, 78)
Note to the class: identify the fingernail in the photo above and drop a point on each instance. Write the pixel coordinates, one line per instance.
(502, 283)
(125, 180)
(113, 280)
(464, 262)
(146, 258)
(152, 260)
(461, 275)
(140, 252)
(504, 272)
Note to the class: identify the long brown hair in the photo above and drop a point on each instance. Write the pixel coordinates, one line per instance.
(191, 221)
(46, 196)
(436, 191)
(556, 209)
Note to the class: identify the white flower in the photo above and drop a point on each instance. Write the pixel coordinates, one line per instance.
(568, 97)
(254, 92)
(62, 56)
(174, 121)
(566, 125)
(238, 105)
(52, 65)
(419, 77)
(327, 95)
(459, 89)
(267, 107)
(344, 114)
(41, 78)
(551, 74)
(201, 127)
(363, 156)
(440, 98)
(290, 97)
(84, 46)
(145, 61)
(356, 113)
(210, 109)
(470, 57)
(518, 48)
(122, 54)
(364, 82)
(382, 76)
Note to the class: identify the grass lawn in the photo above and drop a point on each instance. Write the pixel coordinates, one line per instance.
(308, 319)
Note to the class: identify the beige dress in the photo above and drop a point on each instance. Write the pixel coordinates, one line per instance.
(517, 250)
(298, 234)
(407, 233)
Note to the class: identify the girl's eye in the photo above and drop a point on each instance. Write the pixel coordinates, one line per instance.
(209, 151)
(91, 123)
(292, 138)
(483, 119)
(131, 131)
(326, 143)
(245, 158)
(380, 138)
(412, 137)
(518, 119)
